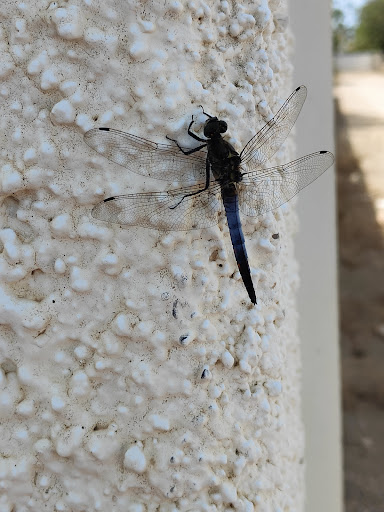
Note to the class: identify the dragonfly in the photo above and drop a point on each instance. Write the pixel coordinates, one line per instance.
(214, 175)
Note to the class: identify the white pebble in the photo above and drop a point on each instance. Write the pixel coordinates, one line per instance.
(68, 87)
(80, 383)
(227, 359)
(11, 180)
(30, 156)
(148, 26)
(81, 352)
(36, 65)
(245, 367)
(61, 225)
(205, 324)
(43, 446)
(11, 245)
(68, 22)
(79, 282)
(48, 80)
(228, 492)
(63, 112)
(26, 408)
(25, 375)
(47, 149)
(60, 266)
(273, 387)
(159, 423)
(21, 34)
(57, 403)
(89, 230)
(135, 460)
(121, 325)
(265, 405)
(266, 245)
(235, 29)
(103, 448)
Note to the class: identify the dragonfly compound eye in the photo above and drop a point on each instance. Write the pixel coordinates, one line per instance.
(223, 126)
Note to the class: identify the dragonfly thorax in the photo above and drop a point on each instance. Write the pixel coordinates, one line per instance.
(225, 162)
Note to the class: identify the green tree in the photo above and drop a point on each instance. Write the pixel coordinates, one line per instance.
(338, 31)
(370, 31)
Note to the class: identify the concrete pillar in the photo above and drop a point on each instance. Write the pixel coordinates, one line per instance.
(136, 374)
(317, 257)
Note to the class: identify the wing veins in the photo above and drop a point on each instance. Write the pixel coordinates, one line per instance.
(147, 158)
(257, 150)
(154, 209)
(264, 190)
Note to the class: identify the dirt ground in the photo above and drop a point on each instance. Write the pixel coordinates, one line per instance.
(360, 176)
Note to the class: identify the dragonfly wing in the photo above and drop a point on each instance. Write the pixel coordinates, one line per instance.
(164, 210)
(268, 140)
(141, 156)
(264, 190)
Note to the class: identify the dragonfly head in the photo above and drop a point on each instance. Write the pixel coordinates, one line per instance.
(214, 127)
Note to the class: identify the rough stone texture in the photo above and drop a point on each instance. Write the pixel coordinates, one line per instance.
(105, 332)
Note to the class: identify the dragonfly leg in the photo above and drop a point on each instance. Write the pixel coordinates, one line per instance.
(189, 151)
(207, 181)
(193, 135)
(208, 115)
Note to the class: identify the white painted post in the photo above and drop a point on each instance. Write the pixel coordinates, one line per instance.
(136, 375)
(317, 256)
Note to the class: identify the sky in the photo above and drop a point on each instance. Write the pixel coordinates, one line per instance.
(350, 9)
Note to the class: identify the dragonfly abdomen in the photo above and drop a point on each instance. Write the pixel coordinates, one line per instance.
(231, 205)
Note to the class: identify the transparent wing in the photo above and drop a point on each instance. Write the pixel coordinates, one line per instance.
(264, 190)
(141, 156)
(268, 140)
(163, 210)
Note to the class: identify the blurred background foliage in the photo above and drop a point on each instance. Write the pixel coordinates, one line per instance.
(363, 31)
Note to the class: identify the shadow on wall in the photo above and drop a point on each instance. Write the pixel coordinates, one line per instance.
(361, 278)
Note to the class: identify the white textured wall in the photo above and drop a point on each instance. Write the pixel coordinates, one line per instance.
(102, 403)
